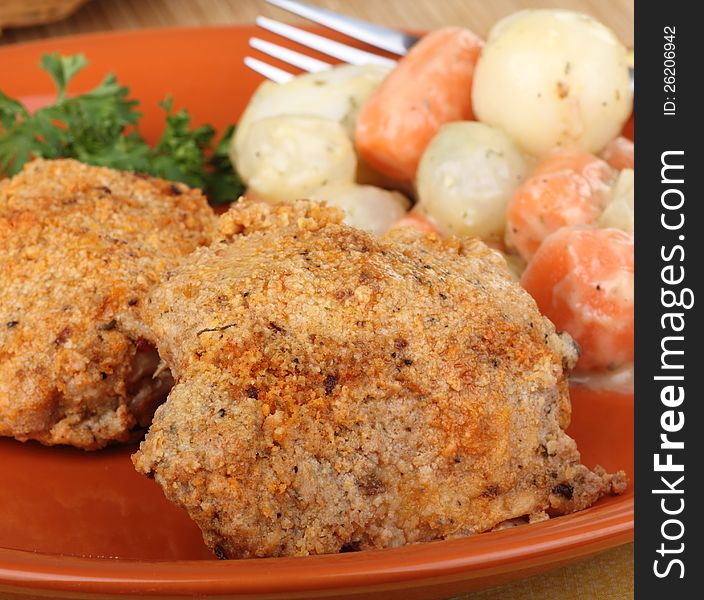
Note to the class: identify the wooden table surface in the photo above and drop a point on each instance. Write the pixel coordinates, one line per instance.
(479, 15)
(608, 576)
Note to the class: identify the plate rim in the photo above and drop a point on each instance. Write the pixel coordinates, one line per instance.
(142, 31)
(607, 524)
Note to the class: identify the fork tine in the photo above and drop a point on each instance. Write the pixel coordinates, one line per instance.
(269, 71)
(348, 54)
(364, 31)
(307, 63)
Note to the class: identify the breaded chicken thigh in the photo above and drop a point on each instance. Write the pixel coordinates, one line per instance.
(80, 247)
(338, 391)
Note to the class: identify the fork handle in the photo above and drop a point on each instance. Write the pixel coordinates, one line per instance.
(391, 40)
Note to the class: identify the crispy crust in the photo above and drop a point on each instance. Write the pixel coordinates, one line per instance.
(336, 391)
(80, 246)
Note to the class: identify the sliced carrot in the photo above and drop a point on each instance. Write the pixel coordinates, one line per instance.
(417, 221)
(619, 153)
(582, 280)
(570, 187)
(431, 85)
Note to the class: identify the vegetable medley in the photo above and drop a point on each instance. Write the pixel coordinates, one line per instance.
(516, 139)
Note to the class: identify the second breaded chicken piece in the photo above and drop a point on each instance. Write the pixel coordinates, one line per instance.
(336, 391)
(80, 247)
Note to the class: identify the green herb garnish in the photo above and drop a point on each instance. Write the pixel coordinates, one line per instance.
(99, 127)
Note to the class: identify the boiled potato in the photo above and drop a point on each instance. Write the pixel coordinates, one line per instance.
(466, 177)
(289, 157)
(366, 207)
(619, 212)
(553, 78)
(335, 94)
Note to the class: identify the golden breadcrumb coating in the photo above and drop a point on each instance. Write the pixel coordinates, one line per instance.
(80, 247)
(336, 391)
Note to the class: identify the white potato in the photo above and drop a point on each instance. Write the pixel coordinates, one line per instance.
(289, 157)
(619, 212)
(366, 207)
(335, 94)
(466, 178)
(553, 78)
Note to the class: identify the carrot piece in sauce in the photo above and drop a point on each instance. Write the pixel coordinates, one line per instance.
(569, 187)
(417, 221)
(430, 86)
(619, 153)
(582, 280)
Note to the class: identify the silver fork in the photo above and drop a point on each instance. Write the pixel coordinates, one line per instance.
(391, 40)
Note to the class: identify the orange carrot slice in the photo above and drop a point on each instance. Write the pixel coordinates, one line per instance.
(417, 221)
(582, 280)
(619, 153)
(570, 187)
(431, 85)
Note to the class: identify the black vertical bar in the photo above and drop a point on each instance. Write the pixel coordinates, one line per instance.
(668, 131)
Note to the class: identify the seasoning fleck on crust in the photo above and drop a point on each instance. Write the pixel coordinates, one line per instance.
(336, 391)
(80, 247)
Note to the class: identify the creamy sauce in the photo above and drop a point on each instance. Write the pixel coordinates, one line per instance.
(619, 380)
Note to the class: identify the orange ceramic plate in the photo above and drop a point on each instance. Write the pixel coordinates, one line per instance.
(76, 524)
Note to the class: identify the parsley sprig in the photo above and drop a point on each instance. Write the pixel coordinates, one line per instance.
(100, 127)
